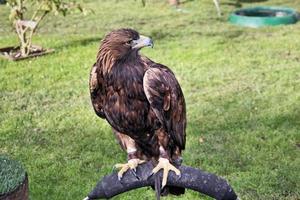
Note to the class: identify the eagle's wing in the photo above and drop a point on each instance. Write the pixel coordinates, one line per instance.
(96, 90)
(167, 101)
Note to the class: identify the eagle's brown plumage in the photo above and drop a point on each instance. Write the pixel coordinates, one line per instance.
(139, 98)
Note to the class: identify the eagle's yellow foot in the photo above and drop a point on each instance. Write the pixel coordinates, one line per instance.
(132, 164)
(164, 164)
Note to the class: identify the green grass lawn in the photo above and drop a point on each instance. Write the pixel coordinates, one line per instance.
(242, 90)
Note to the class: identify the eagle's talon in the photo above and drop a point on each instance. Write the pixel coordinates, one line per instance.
(150, 175)
(164, 164)
(119, 178)
(178, 177)
(134, 173)
(131, 165)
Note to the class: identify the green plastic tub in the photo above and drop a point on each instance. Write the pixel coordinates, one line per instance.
(263, 16)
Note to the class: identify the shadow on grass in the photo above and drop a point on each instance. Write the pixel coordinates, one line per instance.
(239, 3)
(226, 34)
(162, 34)
(186, 1)
(78, 42)
(250, 1)
(228, 137)
(246, 113)
(279, 122)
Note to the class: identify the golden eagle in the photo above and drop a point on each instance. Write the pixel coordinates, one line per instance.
(141, 100)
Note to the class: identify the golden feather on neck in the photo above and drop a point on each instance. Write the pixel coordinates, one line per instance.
(114, 47)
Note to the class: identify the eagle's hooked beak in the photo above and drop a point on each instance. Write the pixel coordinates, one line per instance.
(143, 41)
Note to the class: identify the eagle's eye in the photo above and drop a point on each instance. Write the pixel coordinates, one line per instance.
(128, 42)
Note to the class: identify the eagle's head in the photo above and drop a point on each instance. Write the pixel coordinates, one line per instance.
(123, 43)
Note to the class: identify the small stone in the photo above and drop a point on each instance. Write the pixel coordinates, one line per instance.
(201, 140)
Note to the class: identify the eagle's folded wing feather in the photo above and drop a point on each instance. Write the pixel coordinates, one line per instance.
(96, 90)
(166, 100)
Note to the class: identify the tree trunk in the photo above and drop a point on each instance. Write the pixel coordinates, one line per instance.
(174, 2)
(24, 40)
(24, 44)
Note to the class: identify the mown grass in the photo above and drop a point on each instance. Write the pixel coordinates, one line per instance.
(242, 89)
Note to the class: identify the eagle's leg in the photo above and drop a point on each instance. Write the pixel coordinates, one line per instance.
(128, 145)
(164, 158)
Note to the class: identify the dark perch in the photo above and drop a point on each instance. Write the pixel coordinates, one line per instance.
(191, 178)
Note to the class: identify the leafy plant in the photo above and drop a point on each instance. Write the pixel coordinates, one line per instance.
(26, 26)
(12, 174)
